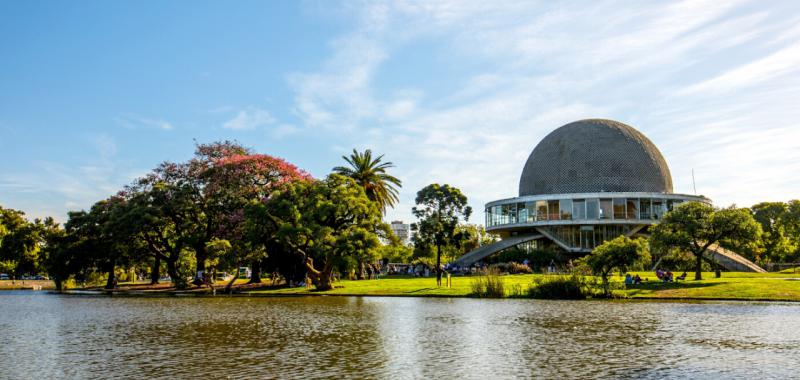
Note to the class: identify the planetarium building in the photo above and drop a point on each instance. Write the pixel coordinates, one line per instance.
(586, 182)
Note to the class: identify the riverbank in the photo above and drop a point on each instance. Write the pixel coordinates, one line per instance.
(731, 286)
(735, 286)
(26, 285)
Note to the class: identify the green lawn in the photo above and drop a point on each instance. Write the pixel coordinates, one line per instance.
(732, 285)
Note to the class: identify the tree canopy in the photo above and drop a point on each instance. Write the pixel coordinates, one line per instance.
(370, 173)
(619, 253)
(439, 210)
(695, 226)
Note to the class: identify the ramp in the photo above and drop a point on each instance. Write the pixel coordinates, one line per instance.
(732, 261)
(487, 250)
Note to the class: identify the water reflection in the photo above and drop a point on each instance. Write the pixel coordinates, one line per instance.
(48, 336)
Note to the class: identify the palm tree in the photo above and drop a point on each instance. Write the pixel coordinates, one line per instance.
(371, 174)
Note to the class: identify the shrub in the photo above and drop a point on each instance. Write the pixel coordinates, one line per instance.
(488, 284)
(564, 287)
(517, 268)
(499, 267)
(511, 268)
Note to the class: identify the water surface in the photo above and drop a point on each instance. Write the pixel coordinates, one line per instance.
(50, 336)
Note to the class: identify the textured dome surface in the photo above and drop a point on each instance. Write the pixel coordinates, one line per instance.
(595, 155)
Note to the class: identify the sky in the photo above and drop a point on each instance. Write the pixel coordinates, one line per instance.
(96, 93)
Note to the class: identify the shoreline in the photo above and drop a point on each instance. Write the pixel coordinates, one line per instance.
(732, 286)
(196, 294)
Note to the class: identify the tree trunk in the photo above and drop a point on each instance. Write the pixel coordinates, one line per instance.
(59, 285)
(172, 271)
(111, 283)
(323, 281)
(200, 256)
(255, 272)
(698, 266)
(155, 274)
(438, 265)
(229, 287)
(360, 271)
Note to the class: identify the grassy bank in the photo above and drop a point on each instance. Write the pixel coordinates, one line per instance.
(732, 286)
(26, 285)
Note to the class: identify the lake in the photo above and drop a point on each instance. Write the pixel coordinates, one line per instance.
(46, 336)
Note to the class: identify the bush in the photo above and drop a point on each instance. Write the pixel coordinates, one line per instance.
(517, 268)
(562, 287)
(488, 284)
(511, 268)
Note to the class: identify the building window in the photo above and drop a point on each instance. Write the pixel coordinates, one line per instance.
(644, 209)
(619, 208)
(632, 208)
(531, 208)
(566, 209)
(579, 209)
(541, 210)
(592, 209)
(659, 209)
(606, 208)
(552, 207)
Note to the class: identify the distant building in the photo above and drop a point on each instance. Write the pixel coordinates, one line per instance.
(402, 231)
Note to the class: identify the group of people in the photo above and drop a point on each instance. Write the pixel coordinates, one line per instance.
(632, 280)
(667, 276)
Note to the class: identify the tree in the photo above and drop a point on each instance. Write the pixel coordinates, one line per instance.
(439, 211)
(695, 226)
(619, 253)
(324, 223)
(370, 173)
(100, 240)
(771, 217)
(21, 241)
(234, 180)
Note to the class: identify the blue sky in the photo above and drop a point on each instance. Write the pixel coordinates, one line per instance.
(94, 94)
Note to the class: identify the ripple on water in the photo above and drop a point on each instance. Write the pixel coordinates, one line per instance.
(49, 336)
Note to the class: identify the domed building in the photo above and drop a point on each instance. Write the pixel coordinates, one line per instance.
(586, 182)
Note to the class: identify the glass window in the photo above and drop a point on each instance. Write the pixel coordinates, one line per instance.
(531, 209)
(671, 204)
(552, 207)
(659, 208)
(619, 208)
(644, 209)
(606, 208)
(541, 210)
(579, 209)
(592, 209)
(566, 209)
(632, 208)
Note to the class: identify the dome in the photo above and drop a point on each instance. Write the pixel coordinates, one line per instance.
(595, 155)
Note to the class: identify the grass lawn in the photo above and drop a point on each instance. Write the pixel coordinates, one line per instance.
(26, 284)
(732, 285)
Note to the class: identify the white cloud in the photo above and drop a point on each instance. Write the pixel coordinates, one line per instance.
(714, 85)
(249, 119)
(137, 122)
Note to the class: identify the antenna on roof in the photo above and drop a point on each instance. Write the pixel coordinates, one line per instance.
(693, 184)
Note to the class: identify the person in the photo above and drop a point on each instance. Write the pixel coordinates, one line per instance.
(637, 280)
(682, 276)
(659, 274)
(628, 279)
(668, 276)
